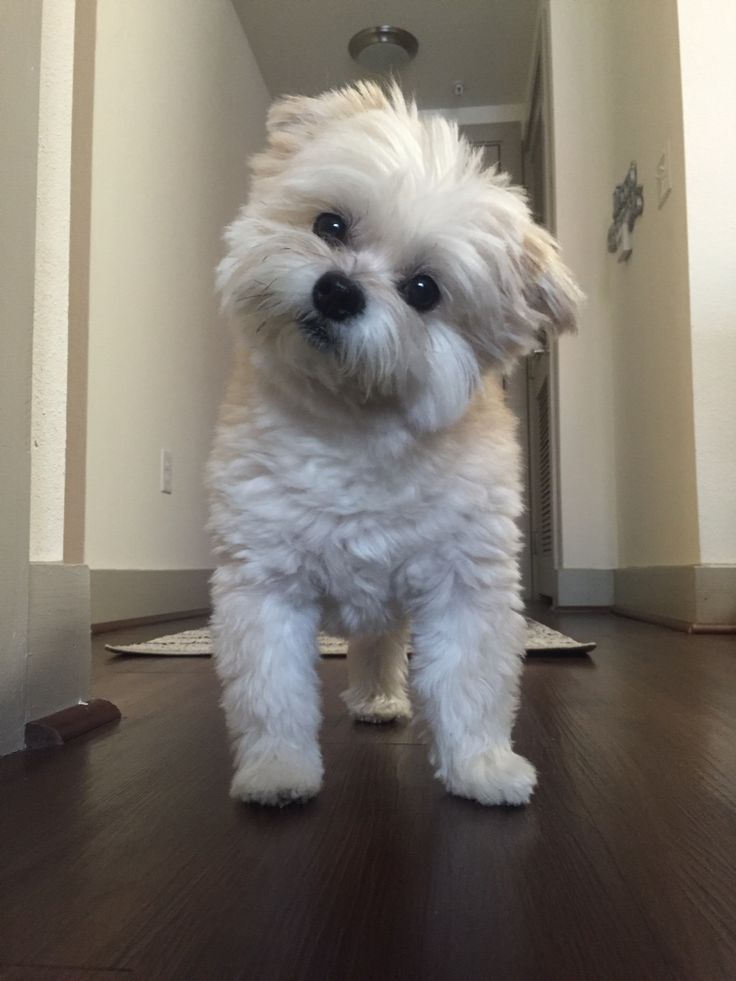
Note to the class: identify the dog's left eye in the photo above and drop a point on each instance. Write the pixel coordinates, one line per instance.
(421, 292)
(331, 228)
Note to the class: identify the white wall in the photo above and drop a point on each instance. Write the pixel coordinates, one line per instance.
(44, 601)
(583, 167)
(627, 455)
(51, 301)
(179, 105)
(707, 32)
(20, 47)
(655, 450)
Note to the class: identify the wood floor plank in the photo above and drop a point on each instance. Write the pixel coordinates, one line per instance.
(53, 972)
(122, 855)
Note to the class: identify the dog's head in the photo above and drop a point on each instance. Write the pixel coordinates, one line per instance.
(377, 257)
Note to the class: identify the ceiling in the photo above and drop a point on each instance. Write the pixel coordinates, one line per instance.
(301, 45)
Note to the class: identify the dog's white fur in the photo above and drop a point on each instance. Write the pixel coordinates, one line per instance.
(373, 487)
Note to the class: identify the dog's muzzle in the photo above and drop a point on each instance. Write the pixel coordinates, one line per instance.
(336, 297)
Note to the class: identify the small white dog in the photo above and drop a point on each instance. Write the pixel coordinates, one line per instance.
(365, 472)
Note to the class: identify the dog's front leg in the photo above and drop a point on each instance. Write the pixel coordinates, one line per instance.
(469, 648)
(265, 654)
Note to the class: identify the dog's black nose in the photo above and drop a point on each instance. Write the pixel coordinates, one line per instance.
(337, 297)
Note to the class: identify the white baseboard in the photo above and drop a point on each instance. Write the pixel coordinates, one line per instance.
(122, 595)
(58, 660)
(692, 597)
(584, 587)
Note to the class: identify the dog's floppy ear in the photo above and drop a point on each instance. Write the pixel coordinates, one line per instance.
(549, 288)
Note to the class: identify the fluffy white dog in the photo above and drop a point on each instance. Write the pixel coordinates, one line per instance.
(365, 472)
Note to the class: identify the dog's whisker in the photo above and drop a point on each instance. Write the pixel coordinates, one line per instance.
(242, 298)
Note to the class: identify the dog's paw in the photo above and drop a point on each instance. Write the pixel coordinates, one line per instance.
(377, 709)
(497, 776)
(281, 780)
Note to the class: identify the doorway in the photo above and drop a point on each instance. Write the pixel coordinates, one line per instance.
(530, 390)
(539, 370)
(502, 146)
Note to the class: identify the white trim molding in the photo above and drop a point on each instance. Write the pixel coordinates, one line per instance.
(584, 587)
(122, 595)
(479, 115)
(697, 598)
(59, 655)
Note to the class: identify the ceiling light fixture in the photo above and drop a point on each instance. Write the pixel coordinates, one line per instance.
(383, 49)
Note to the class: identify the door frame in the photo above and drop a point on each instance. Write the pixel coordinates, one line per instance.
(507, 138)
(540, 110)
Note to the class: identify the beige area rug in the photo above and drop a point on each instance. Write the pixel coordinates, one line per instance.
(540, 640)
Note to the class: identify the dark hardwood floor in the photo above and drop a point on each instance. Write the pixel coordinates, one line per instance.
(122, 856)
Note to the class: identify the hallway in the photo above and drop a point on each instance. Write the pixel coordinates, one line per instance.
(124, 857)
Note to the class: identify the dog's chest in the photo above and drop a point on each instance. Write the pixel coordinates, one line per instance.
(355, 536)
(364, 532)
(356, 517)
(336, 515)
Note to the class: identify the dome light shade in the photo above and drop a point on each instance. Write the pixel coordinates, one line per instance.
(383, 49)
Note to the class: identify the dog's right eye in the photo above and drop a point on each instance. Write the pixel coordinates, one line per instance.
(330, 228)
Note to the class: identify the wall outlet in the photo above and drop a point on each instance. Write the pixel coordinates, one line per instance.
(167, 472)
(664, 176)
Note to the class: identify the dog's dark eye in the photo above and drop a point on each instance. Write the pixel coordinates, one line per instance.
(331, 228)
(421, 292)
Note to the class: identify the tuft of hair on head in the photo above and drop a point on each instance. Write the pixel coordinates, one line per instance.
(293, 120)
